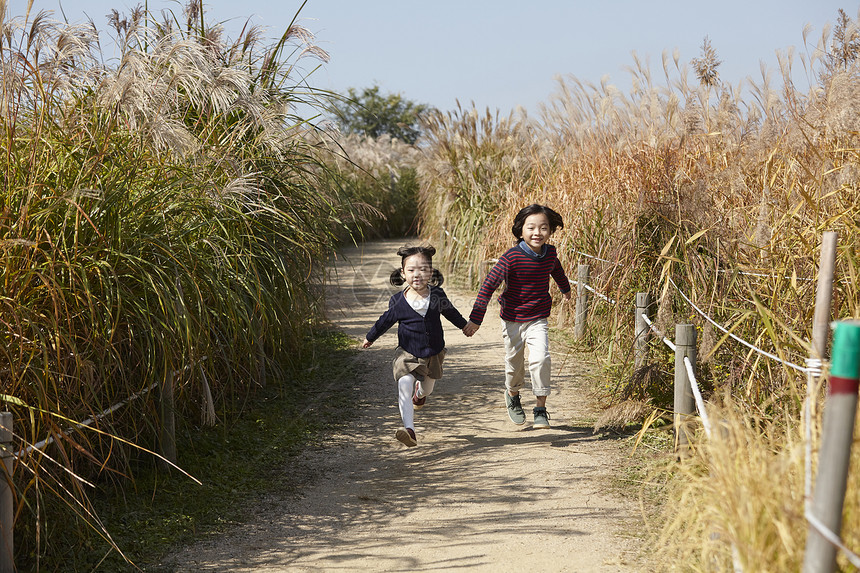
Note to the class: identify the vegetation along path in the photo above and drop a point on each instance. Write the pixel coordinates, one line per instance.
(476, 494)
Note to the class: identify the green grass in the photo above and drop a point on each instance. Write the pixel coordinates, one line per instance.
(240, 464)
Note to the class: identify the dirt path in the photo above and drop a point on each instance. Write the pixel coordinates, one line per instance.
(476, 494)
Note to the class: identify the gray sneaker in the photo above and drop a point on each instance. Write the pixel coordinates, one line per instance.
(541, 418)
(515, 409)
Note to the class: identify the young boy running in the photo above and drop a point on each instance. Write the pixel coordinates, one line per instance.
(525, 306)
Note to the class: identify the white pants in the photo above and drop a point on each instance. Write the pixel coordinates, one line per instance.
(535, 336)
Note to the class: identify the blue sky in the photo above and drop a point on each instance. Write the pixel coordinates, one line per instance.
(504, 53)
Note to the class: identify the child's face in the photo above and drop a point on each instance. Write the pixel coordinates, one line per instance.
(417, 271)
(536, 231)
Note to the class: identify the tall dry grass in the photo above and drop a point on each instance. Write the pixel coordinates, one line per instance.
(472, 163)
(378, 174)
(738, 500)
(163, 215)
(722, 190)
(673, 180)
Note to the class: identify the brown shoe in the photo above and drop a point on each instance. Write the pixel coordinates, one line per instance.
(406, 436)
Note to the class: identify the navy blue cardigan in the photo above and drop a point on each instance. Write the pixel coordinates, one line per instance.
(418, 335)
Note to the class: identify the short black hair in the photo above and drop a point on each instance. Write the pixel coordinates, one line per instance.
(404, 253)
(555, 220)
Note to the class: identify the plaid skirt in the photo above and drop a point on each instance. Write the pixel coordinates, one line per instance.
(405, 363)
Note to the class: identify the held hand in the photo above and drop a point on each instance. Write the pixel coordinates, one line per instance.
(366, 343)
(471, 328)
(568, 294)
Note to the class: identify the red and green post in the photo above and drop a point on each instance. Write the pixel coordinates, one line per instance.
(835, 454)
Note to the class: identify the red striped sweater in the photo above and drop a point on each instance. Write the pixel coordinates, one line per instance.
(526, 295)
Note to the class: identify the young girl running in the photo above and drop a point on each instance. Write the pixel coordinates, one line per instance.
(421, 344)
(525, 303)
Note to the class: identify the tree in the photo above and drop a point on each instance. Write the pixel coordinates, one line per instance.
(372, 114)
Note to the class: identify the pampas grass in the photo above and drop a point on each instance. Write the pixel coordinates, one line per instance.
(621, 415)
(379, 174)
(748, 192)
(163, 217)
(738, 499)
(695, 184)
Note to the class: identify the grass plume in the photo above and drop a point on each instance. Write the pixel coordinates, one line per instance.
(721, 190)
(163, 216)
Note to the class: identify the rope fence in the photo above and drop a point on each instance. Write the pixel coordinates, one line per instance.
(832, 538)
(656, 331)
(688, 400)
(596, 293)
(732, 335)
(89, 421)
(761, 275)
(813, 368)
(697, 394)
(586, 255)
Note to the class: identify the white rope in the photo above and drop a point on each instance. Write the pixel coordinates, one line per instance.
(807, 463)
(697, 394)
(760, 275)
(597, 294)
(666, 341)
(832, 538)
(736, 560)
(813, 372)
(741, 340)
(596, 258)
(814, 366)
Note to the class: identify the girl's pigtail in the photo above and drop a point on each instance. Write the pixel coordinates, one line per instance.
(436, 279)
(396, 278)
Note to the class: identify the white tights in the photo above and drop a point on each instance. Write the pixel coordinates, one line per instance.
(405, 387)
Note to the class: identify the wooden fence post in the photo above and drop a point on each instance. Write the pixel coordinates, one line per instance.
(823, 297)
(685, 405)
(581, 301)
(7, 515)
(835, 454)
(818, 343)
(485, 270)
(643, 333)
(167, 428)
